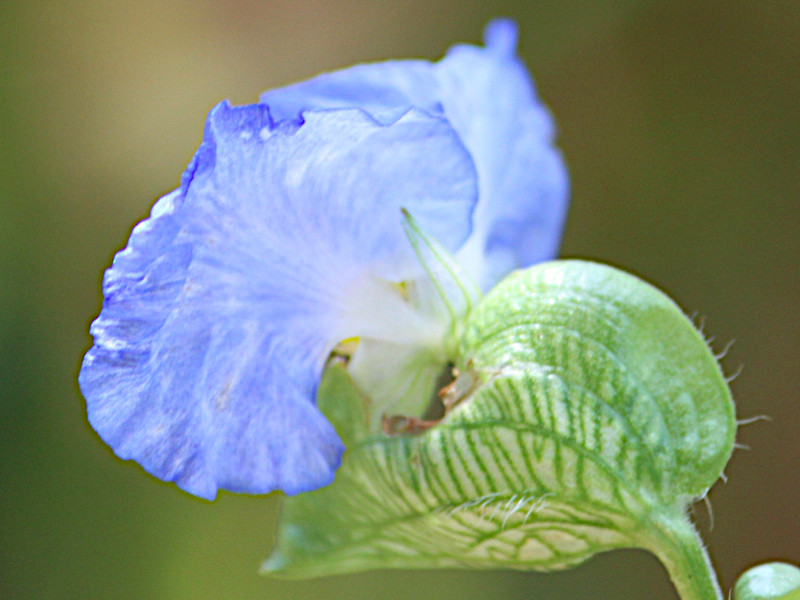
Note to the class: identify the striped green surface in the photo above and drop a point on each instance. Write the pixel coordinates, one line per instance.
(600, 416)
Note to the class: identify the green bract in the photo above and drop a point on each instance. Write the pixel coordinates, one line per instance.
(770, 581)
(589, 413)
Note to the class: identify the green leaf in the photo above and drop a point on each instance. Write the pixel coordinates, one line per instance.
(594, 414)
(770, 581)
(621, 380)
(342, 403)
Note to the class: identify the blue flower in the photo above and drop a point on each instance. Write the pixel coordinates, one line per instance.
(488, 98)
(286, 238)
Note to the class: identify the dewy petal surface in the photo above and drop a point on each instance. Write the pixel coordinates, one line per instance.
(221, 310)
(489, 98)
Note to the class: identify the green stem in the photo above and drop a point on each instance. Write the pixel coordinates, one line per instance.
(677, 544)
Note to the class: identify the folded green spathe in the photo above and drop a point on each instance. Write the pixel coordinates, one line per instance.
(598, 416)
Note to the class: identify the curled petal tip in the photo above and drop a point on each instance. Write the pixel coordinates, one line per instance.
(501, 36)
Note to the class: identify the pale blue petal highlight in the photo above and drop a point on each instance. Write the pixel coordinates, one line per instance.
(283, 240)
(384, 90)
(489, 98)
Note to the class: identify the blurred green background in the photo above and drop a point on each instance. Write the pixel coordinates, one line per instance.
(680, 124)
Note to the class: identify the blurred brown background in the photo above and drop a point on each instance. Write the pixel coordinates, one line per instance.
(680, 124)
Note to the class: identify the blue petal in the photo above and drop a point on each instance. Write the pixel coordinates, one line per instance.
(488, 97)
(385, 90)
(220, 312)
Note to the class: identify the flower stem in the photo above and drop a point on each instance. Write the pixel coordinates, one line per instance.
(677, 544)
